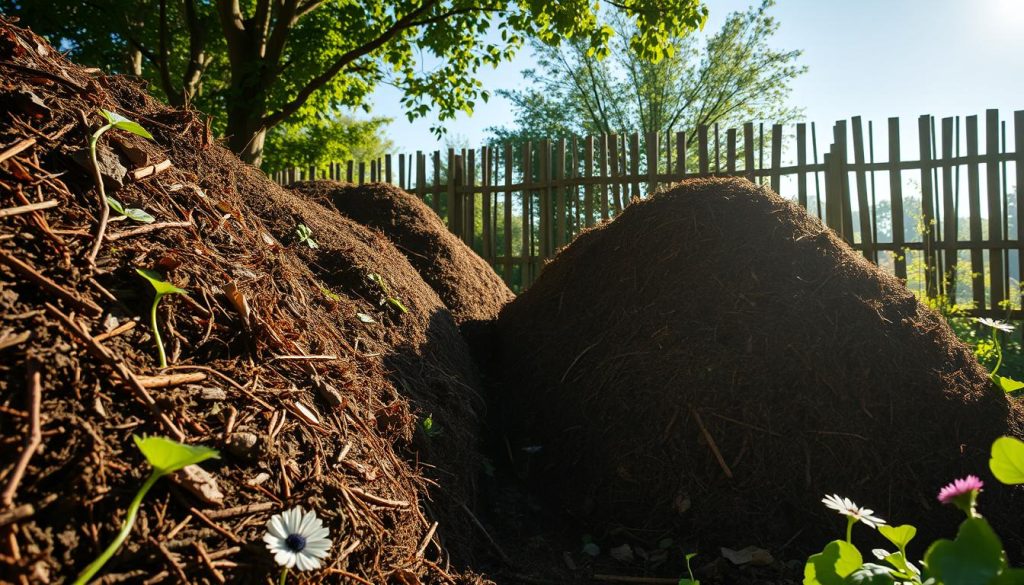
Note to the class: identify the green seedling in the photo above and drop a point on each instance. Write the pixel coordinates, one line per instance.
(430, 428)
(689, 571)
(166, 457)
(391, 299)
(119, 122)
(306, 236)
(129, 212)
(1006, 383)
(162, 289)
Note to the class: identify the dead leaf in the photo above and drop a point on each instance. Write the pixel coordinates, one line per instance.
(238, 301)
(201, 483)
(751, 555)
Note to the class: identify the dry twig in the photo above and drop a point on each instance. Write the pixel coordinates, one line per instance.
(35, 435)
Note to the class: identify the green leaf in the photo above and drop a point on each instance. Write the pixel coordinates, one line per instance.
(975, 557)
(1007, 462)
(398, 304)
(685, 581)
(138, 215)
(898, 535)
(161, 286)
(1009, 577)
(167, 456)
(122, 123)
(115, 205)
(832, 565)
(871, 574)
(1008, 385)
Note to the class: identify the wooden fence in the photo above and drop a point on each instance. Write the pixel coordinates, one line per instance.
(516, 205)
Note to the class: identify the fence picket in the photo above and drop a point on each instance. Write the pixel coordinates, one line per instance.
(995, 209)
(974, 203)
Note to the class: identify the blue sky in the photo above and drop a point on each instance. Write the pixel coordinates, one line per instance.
(874, 58)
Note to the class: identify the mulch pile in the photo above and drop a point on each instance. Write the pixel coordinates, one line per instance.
(290, 360)
(469, 287)
(714, 361)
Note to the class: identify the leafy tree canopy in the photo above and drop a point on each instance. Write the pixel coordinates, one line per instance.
(733, 78)
(324, 141)
(254, 64)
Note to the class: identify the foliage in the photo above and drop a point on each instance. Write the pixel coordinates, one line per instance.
(258, 63)
(324, 141)
(119, 122)
(689, 571)
(305, 236)
(165, 456)
(386, 291)
(431, 428)
(162, 289)
(735, 77)
(131, 213)
(974, 557)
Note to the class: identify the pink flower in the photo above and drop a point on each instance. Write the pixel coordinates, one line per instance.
(969, 485)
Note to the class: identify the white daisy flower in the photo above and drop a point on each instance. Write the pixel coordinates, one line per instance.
(297, 539)
(995, 324)
(846, 507)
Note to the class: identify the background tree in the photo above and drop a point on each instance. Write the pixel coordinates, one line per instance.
(254, 64)
(325, 141)
(733, 78)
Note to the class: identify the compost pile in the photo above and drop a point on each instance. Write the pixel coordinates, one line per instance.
(469, 287)
(714, 361)
(311, 369)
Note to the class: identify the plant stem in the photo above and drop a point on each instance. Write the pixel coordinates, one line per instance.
(126, 528)
(156, 331)
(999, 351)
(97, 176)
(850, 521)
(284, 576)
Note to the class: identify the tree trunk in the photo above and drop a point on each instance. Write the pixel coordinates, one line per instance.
(248, 145)
(247, 111)
(135, 61)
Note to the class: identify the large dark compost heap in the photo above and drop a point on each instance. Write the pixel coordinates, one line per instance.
(469, 287)
(311, 383)
(717, 329)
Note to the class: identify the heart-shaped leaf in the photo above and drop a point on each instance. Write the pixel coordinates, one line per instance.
(898, 535)
(1007, 384)
(1007, 462)
(161, 286)
(871, 574)
(974, 557)
(122, 123)
(167, 456)
(832, 565)
(138, 215)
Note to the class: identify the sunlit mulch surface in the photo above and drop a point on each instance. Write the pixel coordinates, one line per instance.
(272, 363)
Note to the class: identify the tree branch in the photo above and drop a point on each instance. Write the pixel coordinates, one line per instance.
(344, 60)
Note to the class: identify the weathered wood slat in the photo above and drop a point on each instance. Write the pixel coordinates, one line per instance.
(974, 203)
(995, 211)
(896, 197)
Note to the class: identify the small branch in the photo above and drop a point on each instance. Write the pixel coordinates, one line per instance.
(171, 380)
(17, 148)
(490, 539)
(426, 540)
(11, 211)
(711, 443)
(151, 170)
(145, 229)
(372, 499)
(17, 513)
(29, 273)
(35, 435)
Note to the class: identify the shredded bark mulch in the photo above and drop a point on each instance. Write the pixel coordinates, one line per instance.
(714, 361)
(289, 360)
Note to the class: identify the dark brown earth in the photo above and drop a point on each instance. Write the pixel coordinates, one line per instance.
(714, 361)
(71, 335)
(469, 287)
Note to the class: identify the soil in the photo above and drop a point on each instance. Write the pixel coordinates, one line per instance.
(466, 283)
(310, 383)
(714, 361)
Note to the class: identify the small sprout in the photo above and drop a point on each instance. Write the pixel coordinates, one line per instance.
(129, 212)
(1005, 383)
(297, 539)
(391, 299)
(162, 289)
(166, 457)
(689, 571)
(119, 122)
(306, 236)
(329, 294)
(430, 428)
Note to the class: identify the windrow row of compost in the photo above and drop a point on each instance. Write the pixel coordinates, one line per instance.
(698, 372)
